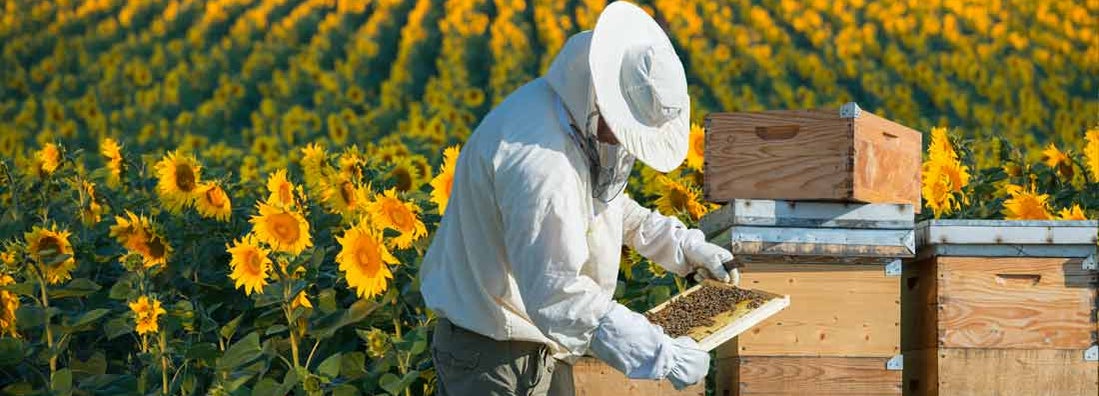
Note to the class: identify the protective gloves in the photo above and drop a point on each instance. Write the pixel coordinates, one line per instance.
(709, 258)
(627, 341)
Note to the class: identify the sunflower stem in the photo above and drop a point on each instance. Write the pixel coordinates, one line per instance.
(290, 322)
(47, 331)
(163, 342)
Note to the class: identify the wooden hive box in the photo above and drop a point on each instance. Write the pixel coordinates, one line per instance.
(840, 265)
(1001, 308)
(592, 377)
(845, 155)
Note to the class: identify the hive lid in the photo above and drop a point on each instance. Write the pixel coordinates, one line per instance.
(1007, 238)
(807, 214)
(816, 245)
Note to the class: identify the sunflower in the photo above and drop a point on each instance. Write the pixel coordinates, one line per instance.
(351, 163)
(138, 235)
(405, 174)
(250, 265)
(112, 153)
(391, 151)
(1057, 160)
(376, 342)
(1074, 213)
(281, 189)
(943, 176)
(678, 198)
(696, 149)
(442, 184)
(9, 303)
(473, 97)
(363, 258)
(47, 160)
(1091, 153)
(344, 197)
(178, 177)
(285, 230)
(147, 312)
(337, 129)
(213, 202)
(1026, 204)
(314, 164)
(52, 250)
(90, 209)
(388, 211)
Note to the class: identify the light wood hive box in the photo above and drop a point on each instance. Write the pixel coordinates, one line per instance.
(1001, 308)
(848, 155)
(592, 377)
(840, 265)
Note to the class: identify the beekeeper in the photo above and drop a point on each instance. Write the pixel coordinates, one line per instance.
(523, 267)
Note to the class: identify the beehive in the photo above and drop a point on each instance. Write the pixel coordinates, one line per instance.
(1001, 307)
(846, 155)
(840, 265)
(592, 377)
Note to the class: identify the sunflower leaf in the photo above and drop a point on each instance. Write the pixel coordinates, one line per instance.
(78, 287)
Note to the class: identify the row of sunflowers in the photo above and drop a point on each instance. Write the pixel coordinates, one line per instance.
(233, 196)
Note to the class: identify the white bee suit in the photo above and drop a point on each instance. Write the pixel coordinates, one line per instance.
(525, 253)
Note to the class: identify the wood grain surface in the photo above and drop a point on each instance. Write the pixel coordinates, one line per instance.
(887, 161)
(592, 377)
(744, 161)
(966, 371)
(1017, 303)
(835, 310)
(799, 375)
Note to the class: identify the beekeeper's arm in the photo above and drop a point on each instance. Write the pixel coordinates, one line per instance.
(667, 242)
(543, 216)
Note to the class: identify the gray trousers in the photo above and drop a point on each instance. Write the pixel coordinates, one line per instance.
(467, 363)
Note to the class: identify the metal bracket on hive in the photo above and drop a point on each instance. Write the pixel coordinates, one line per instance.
(850, 110)
(893, 268)
(1091, 263)
(1092, 354)
(895, 363)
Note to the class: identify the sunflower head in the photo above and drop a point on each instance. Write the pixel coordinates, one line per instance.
(53, 252)
(389, 211)
(48, 159)
(140, 236)
(281, 189)
(213, 202)
(9, 304)
(178, 178)
(442, 184)
(112, 154)
(283, 229)
(250, 265)
(314, 163)
(363, 258)
(147, 313)
(376, 343)
(678, 198)
(91, 211)
(344, 197)
(1057, 160)
(1073, 213)
(1026, 204)
(406, 174)
(1091, 152)
(696, 149)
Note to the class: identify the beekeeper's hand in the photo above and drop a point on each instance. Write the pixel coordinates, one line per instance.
(709, 259)
(627, 341)
(692, 363)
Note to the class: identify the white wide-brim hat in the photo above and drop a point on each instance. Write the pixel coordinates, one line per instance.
(640, 86)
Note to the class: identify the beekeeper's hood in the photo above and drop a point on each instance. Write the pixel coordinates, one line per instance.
(629, 71)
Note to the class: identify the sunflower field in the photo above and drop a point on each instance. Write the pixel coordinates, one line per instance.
(233, 196)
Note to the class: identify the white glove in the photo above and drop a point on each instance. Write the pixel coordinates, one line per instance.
(627, 341)
(692, 366)
(709, 258)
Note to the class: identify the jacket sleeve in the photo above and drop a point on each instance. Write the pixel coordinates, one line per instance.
(544, 221)
(657, 237)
